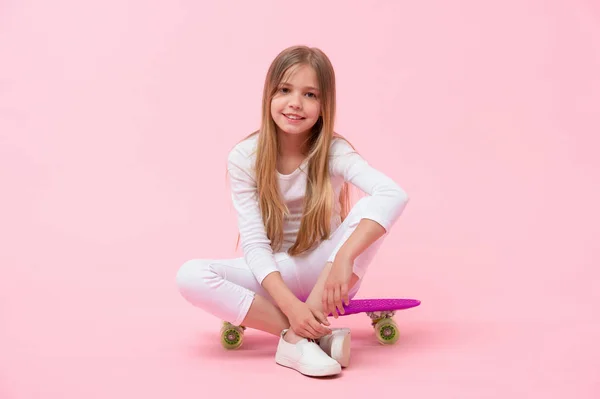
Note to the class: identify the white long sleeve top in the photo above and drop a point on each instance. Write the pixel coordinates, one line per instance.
(345, 165)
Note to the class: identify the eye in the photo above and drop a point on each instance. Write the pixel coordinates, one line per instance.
(313, 95)
(284, 90)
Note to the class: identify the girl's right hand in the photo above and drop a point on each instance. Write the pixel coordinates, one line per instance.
(307, 322)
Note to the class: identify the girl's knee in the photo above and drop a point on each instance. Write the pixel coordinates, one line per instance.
(192, 279)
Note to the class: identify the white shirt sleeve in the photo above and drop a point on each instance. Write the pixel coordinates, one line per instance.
(388, 198)
(255, 244)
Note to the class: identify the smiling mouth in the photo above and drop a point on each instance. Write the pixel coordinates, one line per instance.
(293, 117)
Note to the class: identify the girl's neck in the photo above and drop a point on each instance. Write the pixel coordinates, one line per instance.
(292, 145)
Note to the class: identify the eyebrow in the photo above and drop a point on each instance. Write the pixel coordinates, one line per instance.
(307, 87)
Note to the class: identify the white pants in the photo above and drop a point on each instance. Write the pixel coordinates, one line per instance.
(225, 288)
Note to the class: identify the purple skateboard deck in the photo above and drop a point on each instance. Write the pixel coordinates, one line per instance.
(377, 305)
(386, 330)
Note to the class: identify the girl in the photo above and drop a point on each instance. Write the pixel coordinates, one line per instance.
(305, 251)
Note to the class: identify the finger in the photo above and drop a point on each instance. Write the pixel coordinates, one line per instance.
(310, 328)
(338, 299)
(301, 332)
(320, 330)
(308, 335)
(331, 303)
(323, 329)
(345, 294)
(326, 330)
(321, 317)
(324, 301)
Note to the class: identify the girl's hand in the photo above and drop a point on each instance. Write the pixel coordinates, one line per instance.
(306, 321)
(336, 286)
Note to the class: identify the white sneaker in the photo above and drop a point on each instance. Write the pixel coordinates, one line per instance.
(337, 345)
(306, 357)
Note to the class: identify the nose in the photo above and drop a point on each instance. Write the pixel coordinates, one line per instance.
(295, 102)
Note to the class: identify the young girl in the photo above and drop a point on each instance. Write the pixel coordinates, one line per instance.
(305, 251)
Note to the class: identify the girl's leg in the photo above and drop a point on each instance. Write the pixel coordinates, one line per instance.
(228, 290)
(265, 316)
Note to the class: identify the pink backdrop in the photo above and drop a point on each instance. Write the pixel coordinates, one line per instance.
(115, 121)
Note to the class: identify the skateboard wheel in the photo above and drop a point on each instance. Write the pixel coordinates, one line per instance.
(386, 331)
(231, 336)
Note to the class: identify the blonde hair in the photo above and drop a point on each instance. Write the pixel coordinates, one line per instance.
(315, 224)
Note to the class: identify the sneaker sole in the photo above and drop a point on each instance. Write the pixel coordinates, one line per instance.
(340, 350)
(323, 371)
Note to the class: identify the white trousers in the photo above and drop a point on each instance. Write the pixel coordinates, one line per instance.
(225, 288)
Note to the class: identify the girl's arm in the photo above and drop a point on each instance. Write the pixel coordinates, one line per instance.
(365, 234)
(387, 202)
(255, 244)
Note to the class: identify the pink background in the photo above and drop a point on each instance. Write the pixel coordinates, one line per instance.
(115, 121)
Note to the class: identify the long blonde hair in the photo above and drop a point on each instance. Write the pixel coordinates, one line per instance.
(315, 224)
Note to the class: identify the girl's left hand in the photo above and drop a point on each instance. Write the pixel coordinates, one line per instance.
(336, 286)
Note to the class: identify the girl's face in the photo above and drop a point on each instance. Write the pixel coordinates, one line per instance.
(296, 106)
